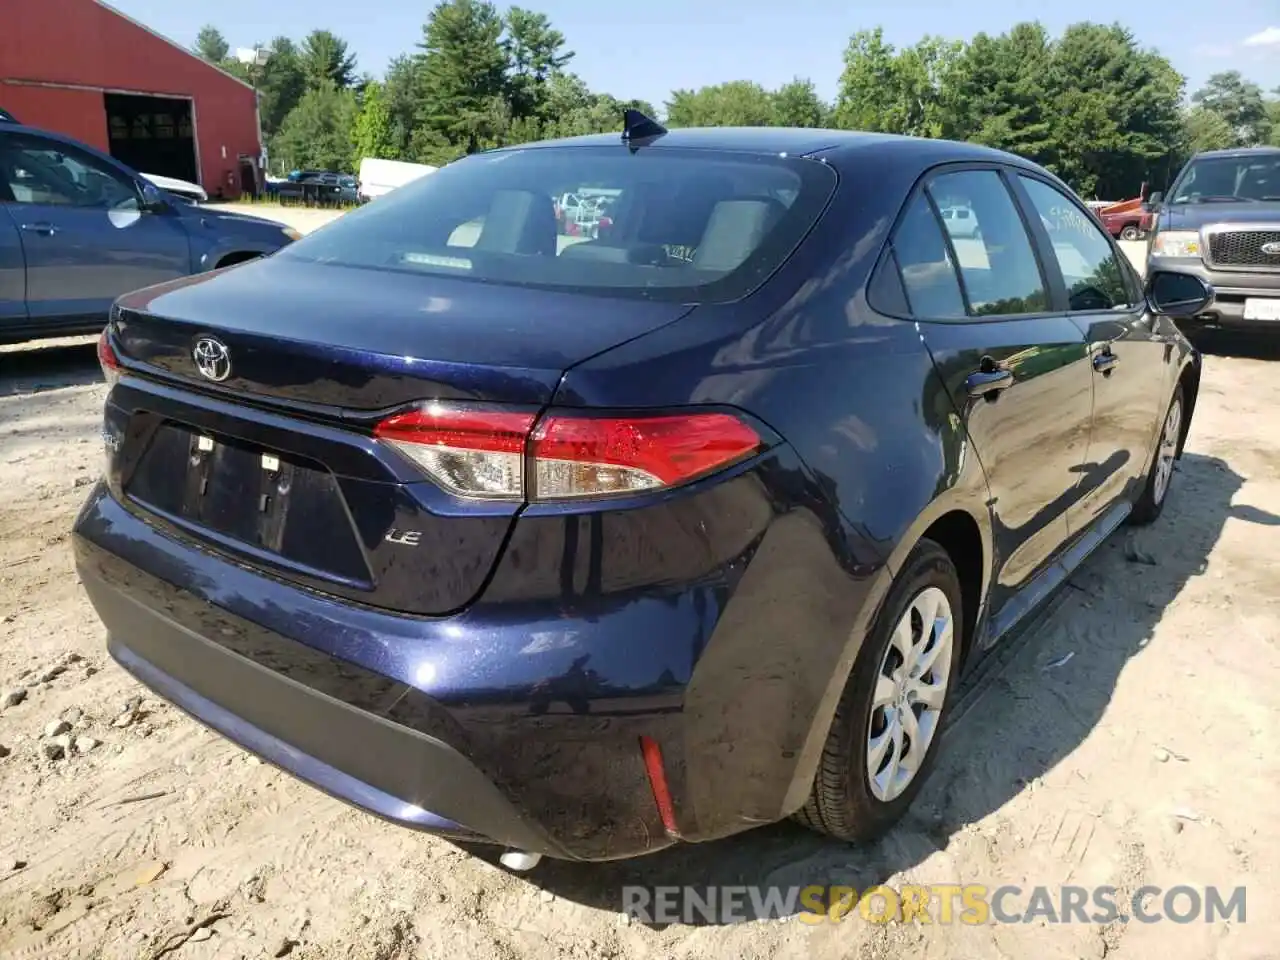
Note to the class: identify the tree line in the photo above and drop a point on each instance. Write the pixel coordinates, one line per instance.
(1092, 104)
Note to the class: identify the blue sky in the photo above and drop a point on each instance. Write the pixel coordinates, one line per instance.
(645, 48)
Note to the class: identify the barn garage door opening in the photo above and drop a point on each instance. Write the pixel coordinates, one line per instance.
(152, 134)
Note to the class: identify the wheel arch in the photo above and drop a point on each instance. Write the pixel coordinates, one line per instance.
(236, 257)
(1189, 380)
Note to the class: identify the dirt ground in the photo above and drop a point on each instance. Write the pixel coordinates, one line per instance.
(1147, 757)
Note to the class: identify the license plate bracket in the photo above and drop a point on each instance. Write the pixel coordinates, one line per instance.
(238, 491)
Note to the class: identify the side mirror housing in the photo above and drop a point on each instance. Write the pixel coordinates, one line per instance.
(153, 200)
(1177, 295)
(1153, 201)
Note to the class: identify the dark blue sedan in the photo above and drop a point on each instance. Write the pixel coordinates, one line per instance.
(585, 547)
(78, 229)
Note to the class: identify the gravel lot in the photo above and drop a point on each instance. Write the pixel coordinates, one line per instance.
(1147, 757)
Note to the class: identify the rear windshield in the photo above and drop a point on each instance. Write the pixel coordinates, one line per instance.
(682, 225)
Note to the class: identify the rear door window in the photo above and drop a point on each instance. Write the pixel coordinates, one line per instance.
(997, 261)
(685, 225)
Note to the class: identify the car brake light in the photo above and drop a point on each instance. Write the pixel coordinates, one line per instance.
(108, 360)
(470, 452)
(485, 453)
(596, 456)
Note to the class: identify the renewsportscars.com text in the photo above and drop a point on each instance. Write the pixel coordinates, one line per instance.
(942, 903)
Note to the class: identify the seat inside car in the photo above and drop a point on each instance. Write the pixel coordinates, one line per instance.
(521, 222)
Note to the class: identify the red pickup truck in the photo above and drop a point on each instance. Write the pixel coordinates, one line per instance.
(1128, 219)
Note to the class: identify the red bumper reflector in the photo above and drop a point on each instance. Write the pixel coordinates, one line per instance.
(658, 783)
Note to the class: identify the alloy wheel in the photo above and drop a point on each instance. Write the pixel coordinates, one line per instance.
(1168, 450)
(910, 692)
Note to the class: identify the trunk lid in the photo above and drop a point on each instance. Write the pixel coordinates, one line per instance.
(275, 463)
(367, 339)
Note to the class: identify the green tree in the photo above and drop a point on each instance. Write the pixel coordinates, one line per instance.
(372, 134)
(318, 131)
(462, 79)
(797, 104)
(890, 91)
(535, 53)
(281, 84)
(1207, 130)
(998, 92)
(211, 45)
(739, 103)
(400, 95)
(867, 83)
(1240, 103)
(1118, 109)
(325, 59)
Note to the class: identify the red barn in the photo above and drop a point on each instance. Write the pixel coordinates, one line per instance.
(82, 68)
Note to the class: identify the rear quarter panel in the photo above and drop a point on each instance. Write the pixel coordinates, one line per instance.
(880, 451)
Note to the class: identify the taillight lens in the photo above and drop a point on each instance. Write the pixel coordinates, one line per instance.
(108, 360)
(471, 453)
(599, 456)
(485, 453)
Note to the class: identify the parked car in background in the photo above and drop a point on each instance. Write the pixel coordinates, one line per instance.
(78, 229)
(184, 190)
(1220, 222)
(960, 222)
(312, 187)
(379, 177)
(1127, 219)
(589, 549)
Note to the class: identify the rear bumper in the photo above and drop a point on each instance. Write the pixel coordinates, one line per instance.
(321, 741)
(1230, 288)
(517, 723)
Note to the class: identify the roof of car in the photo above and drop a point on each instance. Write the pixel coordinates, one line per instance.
(1241, 152)
(794, 141)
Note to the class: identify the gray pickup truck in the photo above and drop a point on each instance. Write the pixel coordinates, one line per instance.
(1221, 221)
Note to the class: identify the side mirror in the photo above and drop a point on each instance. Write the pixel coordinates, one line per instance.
(1153, 201)
(1172, 294)
(153, 200)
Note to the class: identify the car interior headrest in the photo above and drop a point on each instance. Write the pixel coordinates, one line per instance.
(734, 229)
(519, 221)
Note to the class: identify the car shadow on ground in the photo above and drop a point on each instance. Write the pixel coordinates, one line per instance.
(1028, 711)
(41, 367)
(1234, 343)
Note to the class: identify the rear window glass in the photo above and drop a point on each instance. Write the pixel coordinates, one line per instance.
(692, 226)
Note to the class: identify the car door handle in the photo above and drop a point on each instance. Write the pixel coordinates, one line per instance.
(1105, 362)
(988, 383)
(44, 229)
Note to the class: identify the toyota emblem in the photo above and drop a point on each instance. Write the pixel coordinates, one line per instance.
(212, 358)
(1271, 249)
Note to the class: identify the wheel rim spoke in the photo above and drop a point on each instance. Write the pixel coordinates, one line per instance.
(885, 693)
(910, 693)
(1167, 451)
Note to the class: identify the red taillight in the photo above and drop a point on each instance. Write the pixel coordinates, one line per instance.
(472, 453)
(485, 453)
(594, 456)
(108, 360)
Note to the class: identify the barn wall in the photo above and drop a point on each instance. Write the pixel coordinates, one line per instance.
(83, 43)
(77, 113)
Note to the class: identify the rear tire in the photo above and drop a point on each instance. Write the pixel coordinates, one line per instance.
(1130, 232)
(1160, 477)
(871, 769)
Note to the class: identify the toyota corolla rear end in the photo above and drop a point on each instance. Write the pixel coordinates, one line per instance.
(351, 519)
